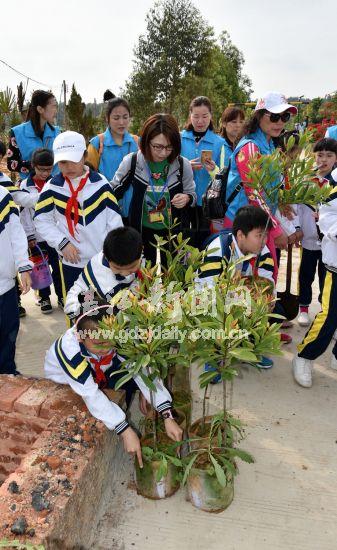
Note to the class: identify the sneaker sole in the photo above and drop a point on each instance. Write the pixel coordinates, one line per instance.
(47, 312)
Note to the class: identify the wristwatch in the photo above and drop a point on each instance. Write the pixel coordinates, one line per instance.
(167, 414)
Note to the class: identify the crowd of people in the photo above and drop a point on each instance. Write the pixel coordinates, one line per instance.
(94, 213)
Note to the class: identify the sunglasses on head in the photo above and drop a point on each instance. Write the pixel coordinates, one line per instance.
(274, 117)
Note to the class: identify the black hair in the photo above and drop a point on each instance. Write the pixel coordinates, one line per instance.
(282, 140)
(253, 123)
(251, 217)
(123, 246)
(108, 95)
(200, 101)
(42, 157)
(116, 102)
(2, 149)
(326, 144)
(89, 319)
(40, 98)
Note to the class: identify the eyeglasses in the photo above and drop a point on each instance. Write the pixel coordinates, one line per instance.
(276, 117)
(161, 148)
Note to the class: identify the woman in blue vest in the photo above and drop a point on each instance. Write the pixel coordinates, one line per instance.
(197, 137)
(39, 131)
(232, 121)
(106, 151)
(272, 112)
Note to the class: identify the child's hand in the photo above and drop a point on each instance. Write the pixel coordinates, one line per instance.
(143, 404)
(281, 241)
(292, 238)
(71, 254)
(25, 282)
(173, 430)
(132, 444)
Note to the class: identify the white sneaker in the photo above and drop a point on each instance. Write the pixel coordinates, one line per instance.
(335, 335)
(302, 370)
(303, 319)
(333, 363)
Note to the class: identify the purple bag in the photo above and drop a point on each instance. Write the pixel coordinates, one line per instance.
(40, 274)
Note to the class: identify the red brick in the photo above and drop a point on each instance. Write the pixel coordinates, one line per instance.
(61, 403)
(30, 402)
(12, 390)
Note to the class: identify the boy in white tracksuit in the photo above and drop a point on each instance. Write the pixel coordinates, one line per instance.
(13, 260)
(85, 361)
(76, 208)
(324, 325)
(114, 268)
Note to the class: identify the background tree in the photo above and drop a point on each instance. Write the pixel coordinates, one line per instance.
(81, 118)
(178, 58)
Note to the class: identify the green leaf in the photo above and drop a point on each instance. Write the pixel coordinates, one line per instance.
(188, 468)
(220, 474)
(243, 455)
(123, 380)
(175, 460)
(243, 355)
(162, 470)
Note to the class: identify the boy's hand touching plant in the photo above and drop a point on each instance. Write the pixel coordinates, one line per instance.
(132, 444)
(173, 430)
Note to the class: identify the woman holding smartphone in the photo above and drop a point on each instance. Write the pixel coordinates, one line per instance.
(202, 146)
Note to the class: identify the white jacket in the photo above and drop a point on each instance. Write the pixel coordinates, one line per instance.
(68, 362)
(98, 214)
(21, 197)
(328, 225)
(97, 276)
(308, 225)
(13, 243)
(27, 212)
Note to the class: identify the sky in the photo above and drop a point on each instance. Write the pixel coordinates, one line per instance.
(289, 46)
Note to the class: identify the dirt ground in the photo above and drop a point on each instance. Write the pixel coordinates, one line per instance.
(286, 500)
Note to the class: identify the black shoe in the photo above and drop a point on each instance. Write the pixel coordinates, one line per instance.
(22, 311)
(46, 306)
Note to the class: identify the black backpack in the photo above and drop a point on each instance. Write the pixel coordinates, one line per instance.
(214, 202)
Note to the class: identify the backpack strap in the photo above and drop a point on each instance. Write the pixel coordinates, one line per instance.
(181, 168)
(101, 144)
(133, 166)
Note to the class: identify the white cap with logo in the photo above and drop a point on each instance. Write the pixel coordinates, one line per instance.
(69, 146)
(275, 103)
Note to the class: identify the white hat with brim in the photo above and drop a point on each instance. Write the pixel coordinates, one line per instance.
(275, 103)
(69, 146)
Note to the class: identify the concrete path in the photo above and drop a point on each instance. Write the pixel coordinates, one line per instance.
(287, 500)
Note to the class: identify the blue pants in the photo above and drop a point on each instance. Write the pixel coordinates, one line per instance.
(310, 261)
(9, 327)
(69, 274)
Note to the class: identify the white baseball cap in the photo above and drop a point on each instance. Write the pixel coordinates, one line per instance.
(69, 146)
(275, 103)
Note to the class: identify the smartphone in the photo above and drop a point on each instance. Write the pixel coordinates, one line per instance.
(205, 155)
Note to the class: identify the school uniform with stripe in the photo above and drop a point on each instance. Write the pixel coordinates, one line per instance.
(324, 325)
(226, 247)
(98, 214)
(68, 362)
(98, 277)
(13, 258)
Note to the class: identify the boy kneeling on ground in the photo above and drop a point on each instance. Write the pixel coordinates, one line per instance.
(85, 361)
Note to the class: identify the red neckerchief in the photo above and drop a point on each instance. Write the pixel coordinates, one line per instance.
(252, 262)
(72, 204)
(100, 377)
(38, 183)
(139, 275)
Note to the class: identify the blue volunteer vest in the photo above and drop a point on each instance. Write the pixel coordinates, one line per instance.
(28, 141)
(265, 148)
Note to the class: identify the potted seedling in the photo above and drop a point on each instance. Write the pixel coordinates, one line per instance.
(237, 329)
(144, 331)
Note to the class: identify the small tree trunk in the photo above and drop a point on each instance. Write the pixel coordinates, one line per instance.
(204, 407)
(224, 398)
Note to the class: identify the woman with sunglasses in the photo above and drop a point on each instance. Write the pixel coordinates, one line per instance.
(272, 112)
(156, 184)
